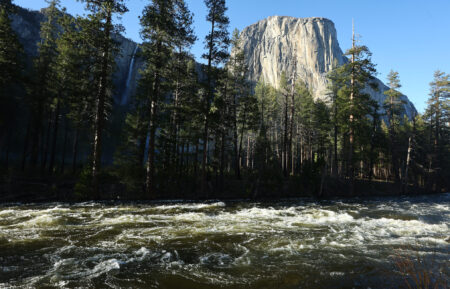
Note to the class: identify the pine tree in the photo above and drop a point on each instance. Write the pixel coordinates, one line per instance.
(43, 84)
(305, 116)
(290, 154)
(102, 13)
(72, 92)
(284, 91)
(11, 67)
(78, 52)
(184, 39)
(61, 69)
(238, 70)
(356, 103)
(394, 108)
(438, 117)
(221, 120)
(11, 49)
(336, 83)
(216, 44)
(165, 26)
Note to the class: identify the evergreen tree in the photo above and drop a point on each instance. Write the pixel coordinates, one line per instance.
(238, 74)
(184, 39)
(62, 67)
(306, 119)
(11, 49)
(102, 13)
(355, 103)
(78, 62)
(44, 88)
(11, 67)
(216, 44)
(437, 114)
(74, 93)
(284, 92)
(336, 83)
(165, 26)
(394, 108)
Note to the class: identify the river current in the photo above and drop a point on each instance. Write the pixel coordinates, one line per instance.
(286, 244)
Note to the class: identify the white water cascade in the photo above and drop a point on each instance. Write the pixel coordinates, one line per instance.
(302, 243)
(126, 93)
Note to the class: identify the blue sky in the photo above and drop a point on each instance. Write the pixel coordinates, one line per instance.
(409, 36)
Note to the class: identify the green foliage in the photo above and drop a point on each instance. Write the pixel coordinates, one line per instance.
(10, 50)
(394, 105)
(191, 127)
(437, 117)
(44, 88)
(83, 187)
(217, 40)
(11, 67)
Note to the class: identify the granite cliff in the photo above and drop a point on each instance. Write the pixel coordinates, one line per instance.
(308, 45)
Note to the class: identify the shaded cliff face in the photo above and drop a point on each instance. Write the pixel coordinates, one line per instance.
(307, 45)
(27, 24)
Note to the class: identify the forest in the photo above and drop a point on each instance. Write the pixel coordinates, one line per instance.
(200, 131)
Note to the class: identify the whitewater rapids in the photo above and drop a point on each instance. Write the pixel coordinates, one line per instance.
(287, 244)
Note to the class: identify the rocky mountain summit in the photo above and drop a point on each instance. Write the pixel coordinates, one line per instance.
(308, 46)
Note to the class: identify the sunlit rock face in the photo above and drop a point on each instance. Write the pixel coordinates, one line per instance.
(307, 45)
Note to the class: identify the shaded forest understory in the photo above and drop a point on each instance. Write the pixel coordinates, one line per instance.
(19, 187)
(200, 131)
(64, 188)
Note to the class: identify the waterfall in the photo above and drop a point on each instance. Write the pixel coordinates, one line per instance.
(126, 92)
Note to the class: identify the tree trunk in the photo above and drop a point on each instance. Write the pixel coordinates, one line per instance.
(247, 164)
(235, 140)
(46, 144)
(63, 157)
(55, 137)
(437, 161)
(208, 98)
(408, 161)
(291, 123)
(277, 149)
(286, 136)
(351, 134)
(149, 182)
(408, 157)
(174, 126)
(335, 144)
(187, 155)
(75, 151)
(35, 135)
(196, 160)
(181, 162)
(241, 138)
(100, 107)
(8, 146)
(25, 145)
(141, 153)
(205, 154)
(222, 159)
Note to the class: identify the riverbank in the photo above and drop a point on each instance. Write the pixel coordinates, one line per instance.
(27, 188)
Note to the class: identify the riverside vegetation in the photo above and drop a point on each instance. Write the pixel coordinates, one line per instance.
(200, 131)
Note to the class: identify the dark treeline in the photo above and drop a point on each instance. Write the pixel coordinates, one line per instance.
(202, 130)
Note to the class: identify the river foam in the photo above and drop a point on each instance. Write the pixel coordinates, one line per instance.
(286, 244)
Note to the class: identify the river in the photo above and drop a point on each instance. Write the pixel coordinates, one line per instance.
(238, 244)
